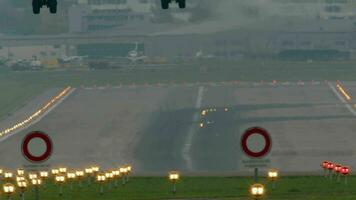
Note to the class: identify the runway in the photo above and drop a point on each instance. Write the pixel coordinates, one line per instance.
(158, 128)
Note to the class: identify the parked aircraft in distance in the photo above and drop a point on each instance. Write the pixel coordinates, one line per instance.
(65, 59)
(134, 55)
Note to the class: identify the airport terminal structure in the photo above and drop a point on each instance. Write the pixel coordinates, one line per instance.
(330, 34)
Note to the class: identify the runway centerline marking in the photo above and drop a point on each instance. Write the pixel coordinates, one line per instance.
(346, 104)
(191, 132)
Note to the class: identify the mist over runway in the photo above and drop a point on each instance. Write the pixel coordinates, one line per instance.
(158, 128)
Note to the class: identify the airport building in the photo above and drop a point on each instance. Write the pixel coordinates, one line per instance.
(103, 15)
(117, 31)
(324, 9)
(228, 44)
(170, 42)
(100, 15)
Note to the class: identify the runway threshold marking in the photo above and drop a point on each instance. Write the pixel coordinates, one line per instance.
(191, 132)
(342, 99)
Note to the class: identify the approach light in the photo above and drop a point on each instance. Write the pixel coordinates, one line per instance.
(8, 189)
(257, 191)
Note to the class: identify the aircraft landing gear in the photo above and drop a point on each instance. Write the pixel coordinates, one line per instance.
(38, 4)
(165, 3)
(181, 3)
(52, 5)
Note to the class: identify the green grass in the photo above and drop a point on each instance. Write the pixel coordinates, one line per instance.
(18, 87)
(155, 188)
(14, 94)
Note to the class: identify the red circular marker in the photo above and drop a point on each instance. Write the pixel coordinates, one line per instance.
(44, 137)
(259, 131)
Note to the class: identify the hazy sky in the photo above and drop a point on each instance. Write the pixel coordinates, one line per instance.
(250, 14)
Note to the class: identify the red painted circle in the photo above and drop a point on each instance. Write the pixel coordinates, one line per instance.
(42, 136)
(266, 137)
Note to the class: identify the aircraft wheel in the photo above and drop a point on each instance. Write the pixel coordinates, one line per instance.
(181, 3)
(165, 4)
(36, 6)
(52, 4)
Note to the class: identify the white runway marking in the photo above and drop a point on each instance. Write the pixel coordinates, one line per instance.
(189, 140)
(200, 97)
(40, 117)
(346, 104)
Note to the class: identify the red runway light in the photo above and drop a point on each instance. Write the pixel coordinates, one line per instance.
(345, 171)
(337, 168)
(330, 166)
(324, 164)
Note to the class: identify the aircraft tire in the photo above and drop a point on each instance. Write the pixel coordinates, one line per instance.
(165, 4)
(52, 4)
(181, 4)
(36, 6)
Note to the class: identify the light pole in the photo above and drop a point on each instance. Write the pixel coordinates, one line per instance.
(22, 185)
(89, 172)
(101, 178)
(95, 169)
(330, 167)
(128, 171)
(324, 165)
(273, 176)
(123, 172)
(257, 191)
(79, 174)
(337, 169)
(1, 172)
(109, 176)
(116, 174)
(44, 176)
(71, 177)
(174, 176)
(345, 171)
(36, 183)
(54, 173)
(60, 179)
(9, 190)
